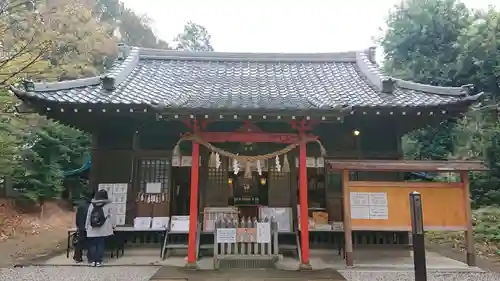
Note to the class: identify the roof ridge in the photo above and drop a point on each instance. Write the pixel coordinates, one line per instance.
(149, 53)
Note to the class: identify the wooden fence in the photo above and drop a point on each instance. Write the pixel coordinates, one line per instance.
(246, 243)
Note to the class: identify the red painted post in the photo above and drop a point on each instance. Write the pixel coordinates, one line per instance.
(193, 203)
(304, 213)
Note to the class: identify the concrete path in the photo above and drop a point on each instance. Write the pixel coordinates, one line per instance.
(320, 259)
(144, 273)
(67, 273)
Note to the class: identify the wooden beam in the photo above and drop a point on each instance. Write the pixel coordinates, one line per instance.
(347, 219)
(405, 165)
(214, 137)
(469, 234)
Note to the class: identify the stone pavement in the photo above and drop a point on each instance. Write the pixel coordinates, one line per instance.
(69, 273)
(144, 273)
(174, 273)
(320, 259)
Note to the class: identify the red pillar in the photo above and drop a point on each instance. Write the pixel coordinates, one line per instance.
(304, 214)
(193, 203)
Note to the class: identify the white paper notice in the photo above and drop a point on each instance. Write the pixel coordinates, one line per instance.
(179, 224)
(360, 198)
(379, 213)
(226, 235)
(153, 187)
(360, 212)
(263, 232)
(120, 219)
(120, 188)
(378, 199)
(369, 205)
(142, 222)
(160, 222)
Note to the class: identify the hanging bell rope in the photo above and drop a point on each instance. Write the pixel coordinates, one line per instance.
(246, 158)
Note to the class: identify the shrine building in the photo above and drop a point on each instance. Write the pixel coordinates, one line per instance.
(318, 135)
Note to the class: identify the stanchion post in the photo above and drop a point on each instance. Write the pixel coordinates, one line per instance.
(417, 229)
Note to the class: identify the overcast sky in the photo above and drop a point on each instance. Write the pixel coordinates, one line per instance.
(276, 25)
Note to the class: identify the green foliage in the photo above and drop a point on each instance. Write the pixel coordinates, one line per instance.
(194, 38)
(442, 42)
(420, 40)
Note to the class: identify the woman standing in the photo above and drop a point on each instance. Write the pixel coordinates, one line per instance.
(100, 223)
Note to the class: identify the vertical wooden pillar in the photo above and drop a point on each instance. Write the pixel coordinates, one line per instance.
(94, 158)
(347, 219)
(193, 205)
(469, 234)
(304, 213)
(202, 187)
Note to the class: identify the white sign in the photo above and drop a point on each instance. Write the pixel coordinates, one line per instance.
(160, 222)
(338, 226)
(119, 198)
(263, 232)
(226, 235)
(360, 212)
(142, 222)
(120, 208)
(378, 199)
(369, 205)
(360, 199)
(153, 187)
(179, 224)
(120, 219)
(120, 188)
(283, 217)
(379, 213)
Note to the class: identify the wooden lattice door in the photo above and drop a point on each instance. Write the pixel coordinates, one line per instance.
(217, 192)
(154, 170)
(279, 186)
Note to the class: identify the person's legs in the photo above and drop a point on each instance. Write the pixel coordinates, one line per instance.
(78, 248)
(92, 249)
(99, 249)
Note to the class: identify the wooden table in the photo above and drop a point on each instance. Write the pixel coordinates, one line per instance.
(119, 239)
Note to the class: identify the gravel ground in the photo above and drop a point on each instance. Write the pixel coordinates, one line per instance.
(409, 276)
(77, 273)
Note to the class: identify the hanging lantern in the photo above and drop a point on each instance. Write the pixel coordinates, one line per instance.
(230, 181)
(263, 181)
(259, 168)
(286, 165)
(217, 161)
(278, 165)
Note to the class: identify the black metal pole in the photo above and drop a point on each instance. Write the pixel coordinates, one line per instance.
(417, 227)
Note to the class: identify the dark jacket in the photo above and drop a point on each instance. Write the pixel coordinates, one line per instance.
(81, 213)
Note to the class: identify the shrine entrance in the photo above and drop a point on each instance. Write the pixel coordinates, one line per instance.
(249, 193)
(245, 187)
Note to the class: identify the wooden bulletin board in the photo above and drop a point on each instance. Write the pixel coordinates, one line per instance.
(443, 205)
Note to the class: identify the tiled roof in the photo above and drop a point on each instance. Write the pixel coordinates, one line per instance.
(211, 80)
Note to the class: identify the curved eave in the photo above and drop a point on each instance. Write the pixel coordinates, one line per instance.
(32, 97)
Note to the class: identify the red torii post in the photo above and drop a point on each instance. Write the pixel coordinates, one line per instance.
(283, 138)
(193, 200)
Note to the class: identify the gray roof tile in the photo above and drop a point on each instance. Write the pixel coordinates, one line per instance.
(245, 81)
